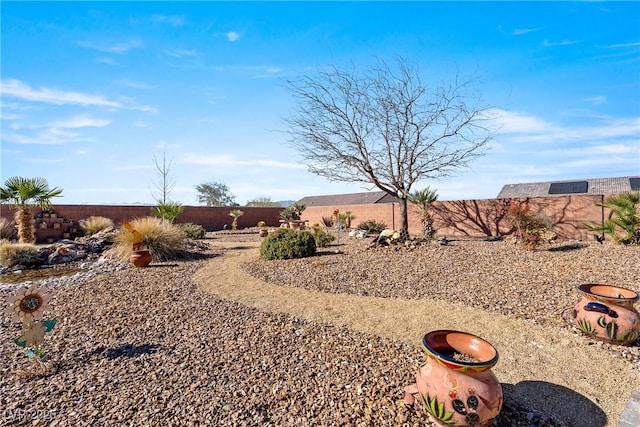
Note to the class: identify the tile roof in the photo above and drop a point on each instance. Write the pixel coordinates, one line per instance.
(368, 198)
(541, 189)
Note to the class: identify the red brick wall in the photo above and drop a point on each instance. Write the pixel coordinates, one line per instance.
(211, 218)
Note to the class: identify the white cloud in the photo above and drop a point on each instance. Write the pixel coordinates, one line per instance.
(521, 31)
(118, 48)
(21, 90)
(547, 43)
(80, 122)
(232, 36)
(135, 84)
(106, 60)
(181, 53)
(176, 21)
(228, 160)
(596, 100)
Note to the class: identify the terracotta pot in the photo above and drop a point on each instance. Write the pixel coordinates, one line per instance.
(140, 258)
(263, 232)
(456, 384)
(607, 313)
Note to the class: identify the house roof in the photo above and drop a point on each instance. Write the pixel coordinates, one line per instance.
(593, 186)
(368, 198)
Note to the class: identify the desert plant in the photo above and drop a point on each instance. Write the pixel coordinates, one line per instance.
(322, 238)
(262, 224)
(18, 254)
(623, 221)
(235, 214)
(94, 224)
(23, 194)
(530, 227)
(285, 243)
(7, 229)
(163, 239)
(168, 211)
(423, 199)
(292, 213)
(192, 231)
(372, 226)
(346, 218)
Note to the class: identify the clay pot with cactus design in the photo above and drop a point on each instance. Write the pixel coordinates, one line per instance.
(607, 313)
(456, 384)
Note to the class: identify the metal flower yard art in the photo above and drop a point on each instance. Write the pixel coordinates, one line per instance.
(27, 305)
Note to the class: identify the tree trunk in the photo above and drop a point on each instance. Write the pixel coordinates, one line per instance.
(26, 230)
(404, 215)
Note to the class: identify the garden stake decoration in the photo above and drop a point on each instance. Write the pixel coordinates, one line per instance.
(139, 257)
(27, 305)
(336, 219)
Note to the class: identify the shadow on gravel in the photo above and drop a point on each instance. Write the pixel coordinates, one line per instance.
(567, 247)
(560, 403)
(127, 350)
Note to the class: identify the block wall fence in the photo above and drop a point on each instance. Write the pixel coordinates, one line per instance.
(212, 218)
(475, 218)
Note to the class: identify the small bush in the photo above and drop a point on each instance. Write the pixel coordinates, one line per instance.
(94, 224)
(285, 243)
(530, 228)
(163, 239)
(192, 231)
(8, 229)
(372, 226)
(322, 238)
(18, 253)
(262, 224)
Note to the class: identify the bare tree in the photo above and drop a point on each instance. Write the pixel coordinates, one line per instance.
(385, 127)
(167, 209)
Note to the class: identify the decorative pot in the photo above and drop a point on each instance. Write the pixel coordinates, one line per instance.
(456, 384)
(140, 258)
(607, 313)
(296, 224)
(263, 232)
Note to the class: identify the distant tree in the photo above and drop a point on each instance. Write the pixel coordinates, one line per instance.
(167, 209)
(215, 194)
(263, 202)
(24, 194)
(385, 127)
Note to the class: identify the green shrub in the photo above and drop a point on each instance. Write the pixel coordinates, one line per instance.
(94, 224)
(18, 253)
(8, 229)
(285, 243)
(192, 231)
(322, 238)
(163, 239)
(372, 226)
(262, 224)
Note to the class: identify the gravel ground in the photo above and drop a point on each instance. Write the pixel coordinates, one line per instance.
(148, 347)
(538, 287)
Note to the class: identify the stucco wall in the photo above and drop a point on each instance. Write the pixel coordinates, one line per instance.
(478, 217)
(211, 218)
(452, 218)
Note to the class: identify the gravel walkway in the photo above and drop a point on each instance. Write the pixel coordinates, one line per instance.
(149, 347)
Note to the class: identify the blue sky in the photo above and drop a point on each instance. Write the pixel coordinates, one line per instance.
(92, 92)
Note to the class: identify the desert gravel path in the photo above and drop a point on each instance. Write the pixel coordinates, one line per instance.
(554, 371)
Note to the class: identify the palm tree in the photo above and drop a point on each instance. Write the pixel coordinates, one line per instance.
(424, 198)
(623, 222)
(236, 213)
(24, 194)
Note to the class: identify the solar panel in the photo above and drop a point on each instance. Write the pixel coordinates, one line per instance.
(635, 183)
(568, 187)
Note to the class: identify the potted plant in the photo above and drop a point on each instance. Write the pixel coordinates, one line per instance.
(263, 229)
